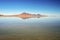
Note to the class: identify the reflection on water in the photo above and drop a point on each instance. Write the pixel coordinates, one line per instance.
(13, 28)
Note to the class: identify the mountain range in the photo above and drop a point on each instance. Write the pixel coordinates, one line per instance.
(25, 15)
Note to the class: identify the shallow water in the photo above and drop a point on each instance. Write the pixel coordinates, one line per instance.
(13, 28)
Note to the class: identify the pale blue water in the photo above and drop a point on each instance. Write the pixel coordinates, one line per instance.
(47, 28)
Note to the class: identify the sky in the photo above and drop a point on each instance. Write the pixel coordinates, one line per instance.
(30, 6)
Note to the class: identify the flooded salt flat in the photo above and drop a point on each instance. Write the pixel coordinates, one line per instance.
(14, 28)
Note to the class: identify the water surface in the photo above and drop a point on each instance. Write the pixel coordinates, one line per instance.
(13, 28)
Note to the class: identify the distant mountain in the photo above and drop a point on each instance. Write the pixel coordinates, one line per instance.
(25, 15)
(1, 15)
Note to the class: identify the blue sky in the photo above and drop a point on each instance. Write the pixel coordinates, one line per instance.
(31, 6)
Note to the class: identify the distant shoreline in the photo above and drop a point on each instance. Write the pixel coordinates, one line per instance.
(25, 15)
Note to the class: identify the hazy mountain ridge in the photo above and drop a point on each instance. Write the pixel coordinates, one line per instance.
(25, 15)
